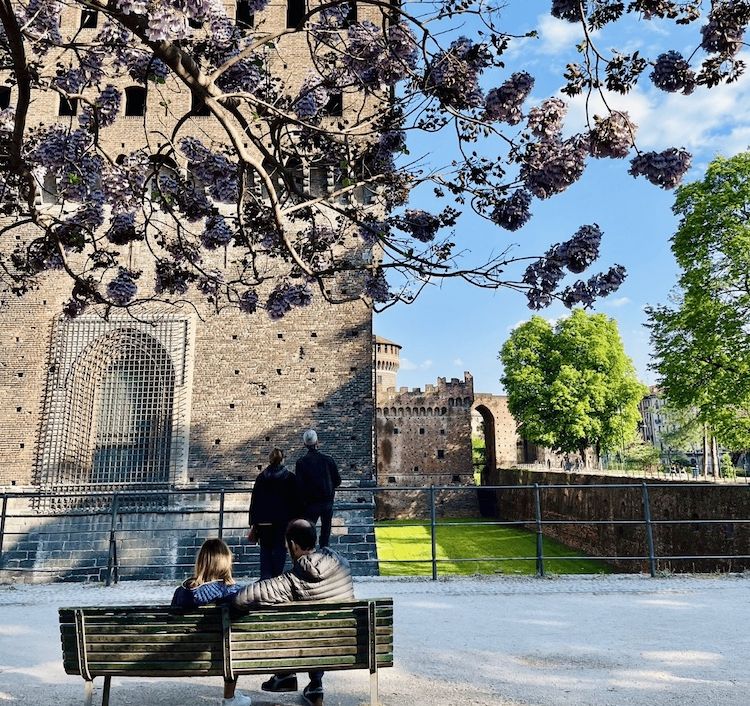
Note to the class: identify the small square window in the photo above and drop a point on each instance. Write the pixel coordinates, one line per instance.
(89, 19)
(68, 107)
(421, 430)
(391, 479)
(440, 453)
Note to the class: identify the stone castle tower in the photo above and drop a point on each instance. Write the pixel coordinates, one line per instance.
(182, 396)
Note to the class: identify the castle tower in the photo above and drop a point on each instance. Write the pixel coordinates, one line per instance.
(387, 362)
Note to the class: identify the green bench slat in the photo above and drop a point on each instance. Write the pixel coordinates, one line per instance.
(155, 665)
(157, 638)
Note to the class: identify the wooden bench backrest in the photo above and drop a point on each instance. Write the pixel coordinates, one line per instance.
(211, 641)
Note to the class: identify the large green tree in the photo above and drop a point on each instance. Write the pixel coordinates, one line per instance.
(572, 387)
(701, 339)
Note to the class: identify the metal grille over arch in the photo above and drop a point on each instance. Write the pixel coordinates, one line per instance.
(117, 406)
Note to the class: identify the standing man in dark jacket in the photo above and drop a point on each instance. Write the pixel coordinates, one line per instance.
(316, 575)
(317, 480)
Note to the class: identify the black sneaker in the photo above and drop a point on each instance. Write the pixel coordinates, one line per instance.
(313, 695)
(281, 682)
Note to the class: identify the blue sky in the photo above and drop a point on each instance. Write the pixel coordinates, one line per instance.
(453, 327)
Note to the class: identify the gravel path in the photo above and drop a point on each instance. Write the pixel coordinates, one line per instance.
(496, 641)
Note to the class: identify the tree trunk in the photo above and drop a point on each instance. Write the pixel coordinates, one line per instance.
(705, 451)
(715, 456)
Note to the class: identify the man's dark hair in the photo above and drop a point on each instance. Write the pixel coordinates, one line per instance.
(302, 533)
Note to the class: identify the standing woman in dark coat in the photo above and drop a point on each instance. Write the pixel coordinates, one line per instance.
(273, 503)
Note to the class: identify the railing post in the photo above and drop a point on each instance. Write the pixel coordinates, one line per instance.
(433, 539)
(3, 513)
(649, 530)
(112, 568)
(221, 515)
(539, 535)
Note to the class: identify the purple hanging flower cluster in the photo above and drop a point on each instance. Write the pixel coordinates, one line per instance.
(122, 229)
(285, 297)
(726, 26)
(665, 169)
(612, 136)
(545, 120)
(107, 107)
(504, 104)
(569, 10)
(248, 302)
(673, 74)
(214, 170)
(217, 233)
(122, 289)
(453, 75)
(373, 59)
(514, 212)
(421, 225)
(582, 249)
(584, 294)
(312, 98)
(376, 286)
(549, 167)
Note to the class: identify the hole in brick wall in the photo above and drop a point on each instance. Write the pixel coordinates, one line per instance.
(440, 453)
(18, 409)
(13, 482)
(353, 438)
(321, 404)
(231, 406)
(312, 370)
(20, 375)
(421, 430)
(191, 479)
(391, 479)
(44, 302)
(353, 368)
(395, 430)
(313, 335)
(21, 445)
(278, 405)
(17, 339)
(301, 352)
(416, 469)
(268, 438)
(456, 479)
(260, 468)
(234, 336)
(217, 442)
(278, 371)
(442, 431)
(236, 372)
(279, 335)
(354, 333)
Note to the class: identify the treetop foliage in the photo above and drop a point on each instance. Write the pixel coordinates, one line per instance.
(701, 338)
(311, 171)
(572, 386)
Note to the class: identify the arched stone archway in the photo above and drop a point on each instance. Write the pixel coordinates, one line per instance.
(489, 462)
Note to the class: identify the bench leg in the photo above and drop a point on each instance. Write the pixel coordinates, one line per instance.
(374, 700)
(105, 695)
(88, 692)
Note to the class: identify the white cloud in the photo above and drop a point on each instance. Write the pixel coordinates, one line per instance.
(552, 321)
(458, 362)
(617, 303)
(708, 122)
(406, 364)
(556, 36)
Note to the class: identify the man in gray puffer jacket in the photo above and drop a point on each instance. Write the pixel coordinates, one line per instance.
(321, 575)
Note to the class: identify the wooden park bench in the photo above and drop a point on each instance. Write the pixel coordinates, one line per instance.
(158, 641)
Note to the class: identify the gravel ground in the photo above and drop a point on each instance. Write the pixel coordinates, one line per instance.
(497, 641)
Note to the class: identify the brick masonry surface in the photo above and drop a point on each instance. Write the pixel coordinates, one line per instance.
(159, 544)
(669, 501)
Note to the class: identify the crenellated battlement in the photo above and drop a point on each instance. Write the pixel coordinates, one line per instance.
(433, 400)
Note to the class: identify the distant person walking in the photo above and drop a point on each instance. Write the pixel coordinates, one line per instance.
(317, 480)
(273, 503)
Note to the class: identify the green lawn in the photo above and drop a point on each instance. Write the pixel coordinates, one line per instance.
(406, 541)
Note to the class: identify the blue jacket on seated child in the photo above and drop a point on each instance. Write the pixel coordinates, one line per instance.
(210, 592)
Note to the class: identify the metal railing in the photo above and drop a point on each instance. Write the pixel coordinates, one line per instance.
(222, 511)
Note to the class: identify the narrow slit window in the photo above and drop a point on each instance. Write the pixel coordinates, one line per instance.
(198, 108)
(135, 101)
(244, 16)
(295, 13)
(4, 97)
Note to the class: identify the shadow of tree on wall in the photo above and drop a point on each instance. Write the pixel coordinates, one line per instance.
(78, 548)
